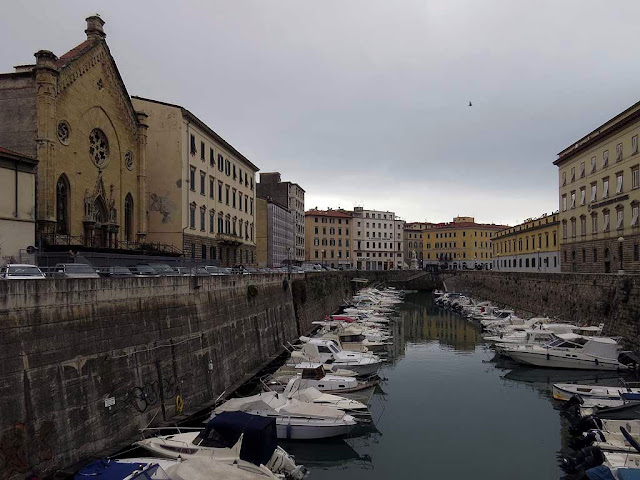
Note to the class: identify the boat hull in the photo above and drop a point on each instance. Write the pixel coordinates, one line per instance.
(292, 431)
(555, 361)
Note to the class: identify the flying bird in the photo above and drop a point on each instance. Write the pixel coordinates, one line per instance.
(470, 104)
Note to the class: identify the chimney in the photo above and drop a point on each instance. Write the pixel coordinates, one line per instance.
(94, 29)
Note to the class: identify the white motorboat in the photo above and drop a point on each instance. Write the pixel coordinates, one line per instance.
(564, 391)
(530, 337)
(307, 394)
(317, 377)
(328, 352)
(234, 438)
(570, 350)
(197, 468)
(355, 338)
(295, 420)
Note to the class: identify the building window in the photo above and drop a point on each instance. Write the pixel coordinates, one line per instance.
(233, 198)
(193, 250)
(212, 252)
(634, 144)
(573, 228)
(220, 191)
(582, 170)
(227, 167)
(605, 216)
(564, 203)
(619, 152)
(192, 216)
(192, 179)
(203, 252)
(212, 158)
(235, 175)
(203, 176)
(62, 205)
(635, 177)
(573, 199)
(220, 163)
(202, 151)
(212, 187)
(605, 187)
(594, 191)
(128, 218)
(192, 145)
(212, 222)
(620, 218)
(595, 255)
(583, 195)
(583, 226)
(220, 223)
(634, 214)
(226, 194)
(251, 206)
(573, 174)
(564, 229)
(605, 158)
(594, 223)
(618, 182)
(202, 215)
(593, 164)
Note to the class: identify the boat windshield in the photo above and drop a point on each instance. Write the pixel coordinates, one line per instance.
(210, 438)
(333, 348)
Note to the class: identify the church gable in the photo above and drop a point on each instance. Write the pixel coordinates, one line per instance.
(91, 69)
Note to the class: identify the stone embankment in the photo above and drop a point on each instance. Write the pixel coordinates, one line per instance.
(85, 364)
(583, 298)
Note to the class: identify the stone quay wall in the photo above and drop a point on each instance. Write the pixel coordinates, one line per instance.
(86, 363)
(581, 298)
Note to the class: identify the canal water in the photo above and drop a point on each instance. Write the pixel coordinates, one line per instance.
(445, 410)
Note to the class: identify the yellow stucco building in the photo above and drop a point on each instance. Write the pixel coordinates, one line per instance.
(599, 197)
(532, 246)
(459, 244)
(74, 116)
(201, 189)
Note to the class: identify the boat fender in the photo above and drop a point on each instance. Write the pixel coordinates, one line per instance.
(179, 404)
(597, 363)
(548, 356)
(289, 430)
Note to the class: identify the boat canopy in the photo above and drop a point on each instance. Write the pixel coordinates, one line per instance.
(260, 435)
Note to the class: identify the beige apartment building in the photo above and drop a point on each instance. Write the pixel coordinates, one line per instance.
(328, 239)
(377, 238)
(201, 189)
(17, 205)
(599, 197)
(413, 241)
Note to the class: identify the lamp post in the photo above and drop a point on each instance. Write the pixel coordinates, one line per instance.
(620, 242)
(289, 261)
(539, 260)
(323, 253)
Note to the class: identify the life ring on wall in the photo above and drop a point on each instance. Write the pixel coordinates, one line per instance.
(179, 404)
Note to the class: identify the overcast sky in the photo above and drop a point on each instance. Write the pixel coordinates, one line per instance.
(366, 102)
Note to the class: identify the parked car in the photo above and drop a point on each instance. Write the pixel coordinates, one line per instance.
(164, 270)
(74, 270)
(194, 272)
(214, 270)
(143, 270)
(20, 271)
(115, 272)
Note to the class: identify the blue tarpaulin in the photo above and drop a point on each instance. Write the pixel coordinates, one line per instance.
(108, 470)
(629, 474)
(600, 473)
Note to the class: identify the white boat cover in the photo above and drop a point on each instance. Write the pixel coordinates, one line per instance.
(207, 469)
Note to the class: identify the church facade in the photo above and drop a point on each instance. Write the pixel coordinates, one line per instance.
(74, 116)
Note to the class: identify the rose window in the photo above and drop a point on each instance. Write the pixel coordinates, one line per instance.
(98, 147)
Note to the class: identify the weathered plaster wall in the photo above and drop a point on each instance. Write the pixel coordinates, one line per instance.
(584, 298)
